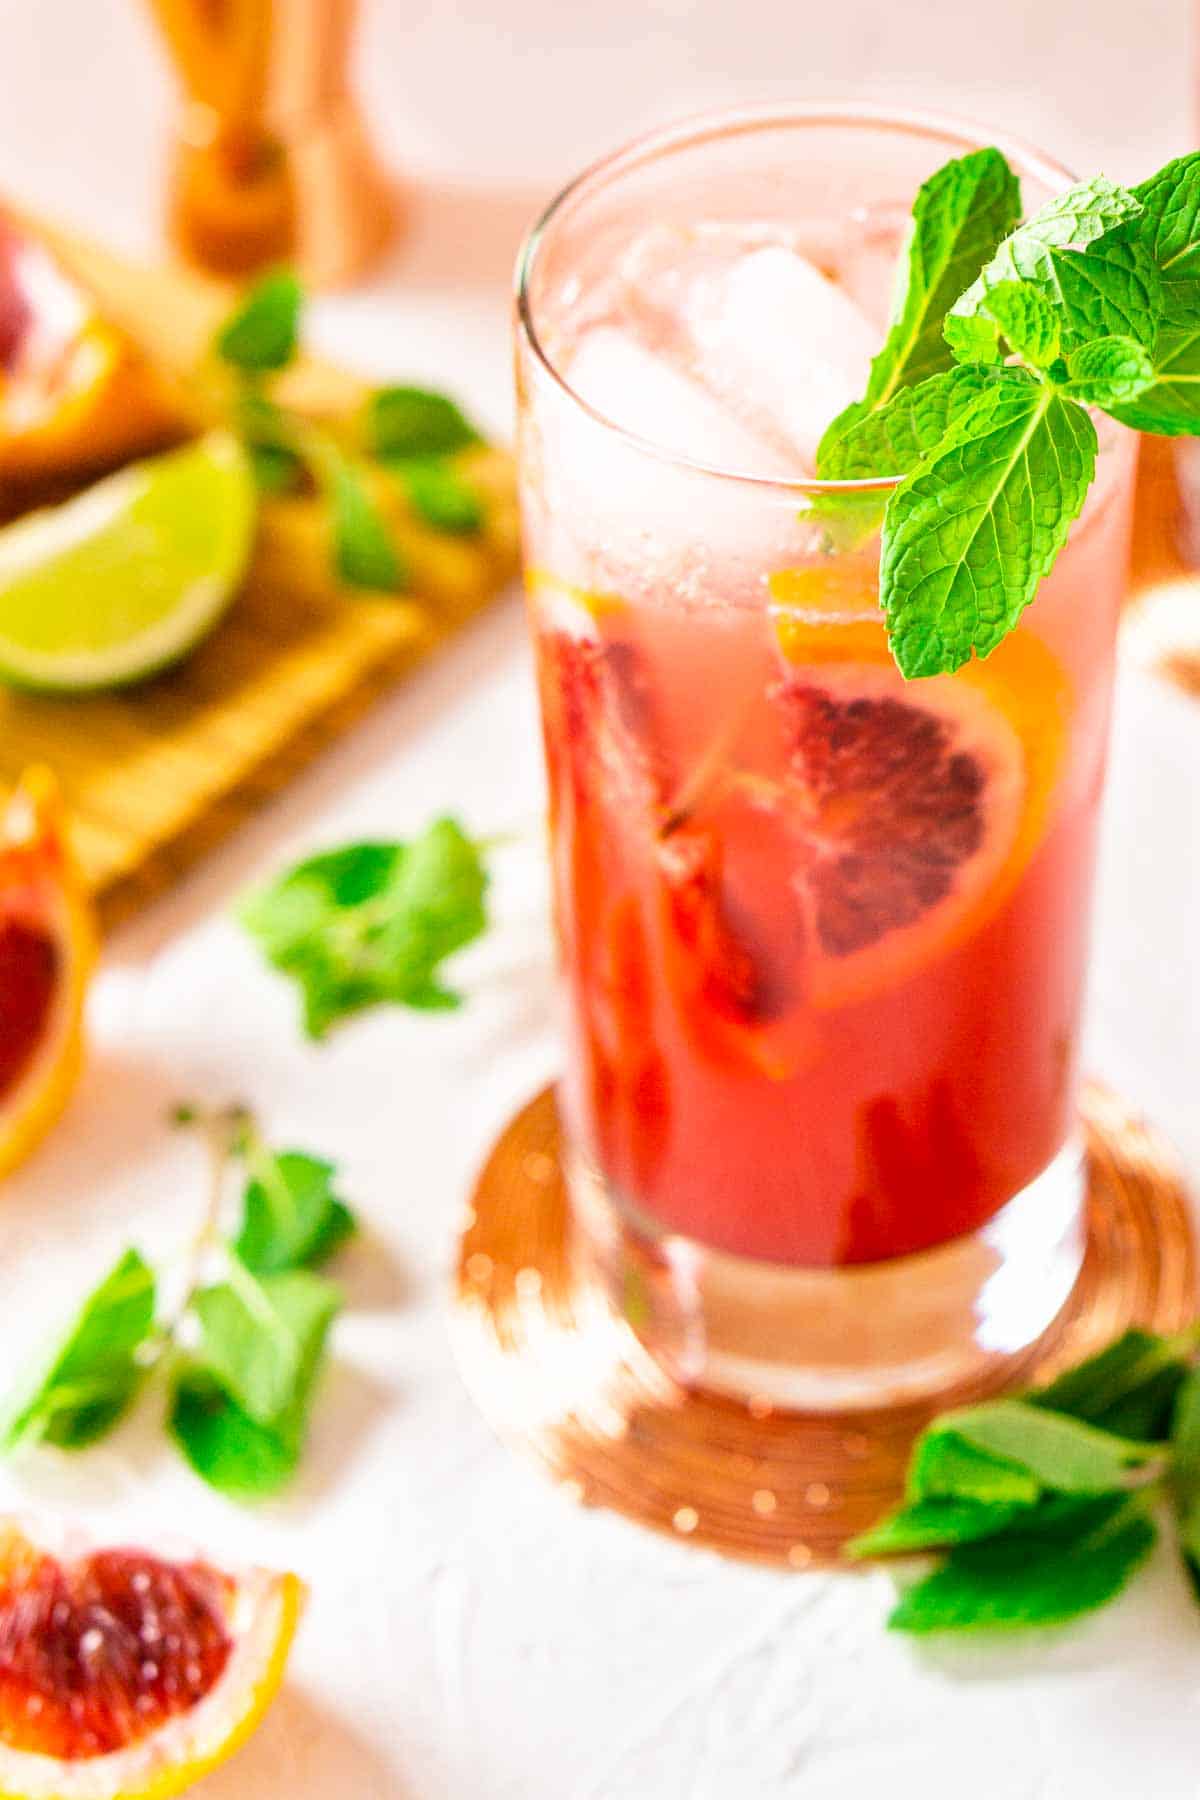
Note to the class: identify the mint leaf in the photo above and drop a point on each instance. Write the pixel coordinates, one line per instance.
(893, 439)
(1170, 405)
(261, 1339)
(971, 532)
(1171, 232)
(291, 1216)
(1064, 1559)
(364, 553)
(373, 923)
(225, 1447)
(960, 215)
(437, 493)
(220, 1397)
(276, 470)
(1128, 1388)
(1083, 254)
(944, 1466)
(1109, 372)
(1062, 1454)
(1185, 1475)
(934, 1524)
(82, 1389)
(263, 333)
(414, 421)
(1026, 319)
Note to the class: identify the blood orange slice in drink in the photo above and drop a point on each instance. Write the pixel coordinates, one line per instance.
(917, 805)
(908, 809)
(125, 1675)
(47, 948)
(905, 816)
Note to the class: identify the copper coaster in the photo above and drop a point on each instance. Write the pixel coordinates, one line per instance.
(562, 1378)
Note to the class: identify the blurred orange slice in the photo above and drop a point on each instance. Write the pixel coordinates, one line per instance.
(47, 949)
(76, 393)
(126, 1675)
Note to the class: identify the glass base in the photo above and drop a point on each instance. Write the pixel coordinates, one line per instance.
(821, 1340)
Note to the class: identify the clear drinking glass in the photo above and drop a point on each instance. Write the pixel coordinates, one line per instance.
(823, 931)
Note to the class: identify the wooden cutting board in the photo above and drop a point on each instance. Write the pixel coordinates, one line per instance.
(156, 775)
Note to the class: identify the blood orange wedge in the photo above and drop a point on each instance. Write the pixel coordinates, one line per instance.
(125, 1675)
(47, 949)
(76, 393)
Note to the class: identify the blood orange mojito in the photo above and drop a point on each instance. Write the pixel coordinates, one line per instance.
(823, 929)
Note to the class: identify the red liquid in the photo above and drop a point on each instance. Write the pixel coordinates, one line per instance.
(824, 932)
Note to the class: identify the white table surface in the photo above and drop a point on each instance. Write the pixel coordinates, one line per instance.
(472, 1635)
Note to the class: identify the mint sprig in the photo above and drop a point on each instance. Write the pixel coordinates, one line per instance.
(1050, 1566)
(960, 215)
(409, 432)
(970, 534)
(243, 1344)
(1082, 255)
(1094, 302)
(1046, 1505)
(373, 923)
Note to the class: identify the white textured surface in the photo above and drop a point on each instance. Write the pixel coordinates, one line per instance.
(472, 1635)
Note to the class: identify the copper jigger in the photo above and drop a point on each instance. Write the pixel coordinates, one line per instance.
(272, 161)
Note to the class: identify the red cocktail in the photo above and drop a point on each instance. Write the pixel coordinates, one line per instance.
(823, 930)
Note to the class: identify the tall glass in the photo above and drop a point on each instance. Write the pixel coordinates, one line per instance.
(823, 931)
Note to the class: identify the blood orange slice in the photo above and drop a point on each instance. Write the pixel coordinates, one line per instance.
(918, 804)
(907, 815)
(125, 1675)
(47, 949)
(76, 393)
(910, 807)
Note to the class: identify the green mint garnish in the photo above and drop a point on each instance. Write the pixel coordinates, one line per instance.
(1128, 1388)
(225, 1447)
(84, 1387)
(244, 1351)
(411, 430)
(373, 923)
(1109, 373)
(970, 533)
(438, 494)
(1053, 1565)
(1045, 1504)
(944, 1466)
(276, 470)
(1185, 1473)
(292, 1217)
(1092, 302)
(284, 447)
(1171, 233)
(1082, 255)
(364, 553)
(1064, 1455)
(935, 1524)
(263, 334)
(960, 215)
(414, 421)
(258, 1337)
(1170, 405)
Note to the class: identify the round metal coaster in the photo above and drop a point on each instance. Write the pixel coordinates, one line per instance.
(562, 1378)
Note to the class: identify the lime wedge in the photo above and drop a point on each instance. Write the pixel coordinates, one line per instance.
(128, 576)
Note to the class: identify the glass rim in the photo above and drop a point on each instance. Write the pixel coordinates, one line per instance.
(699, 128)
